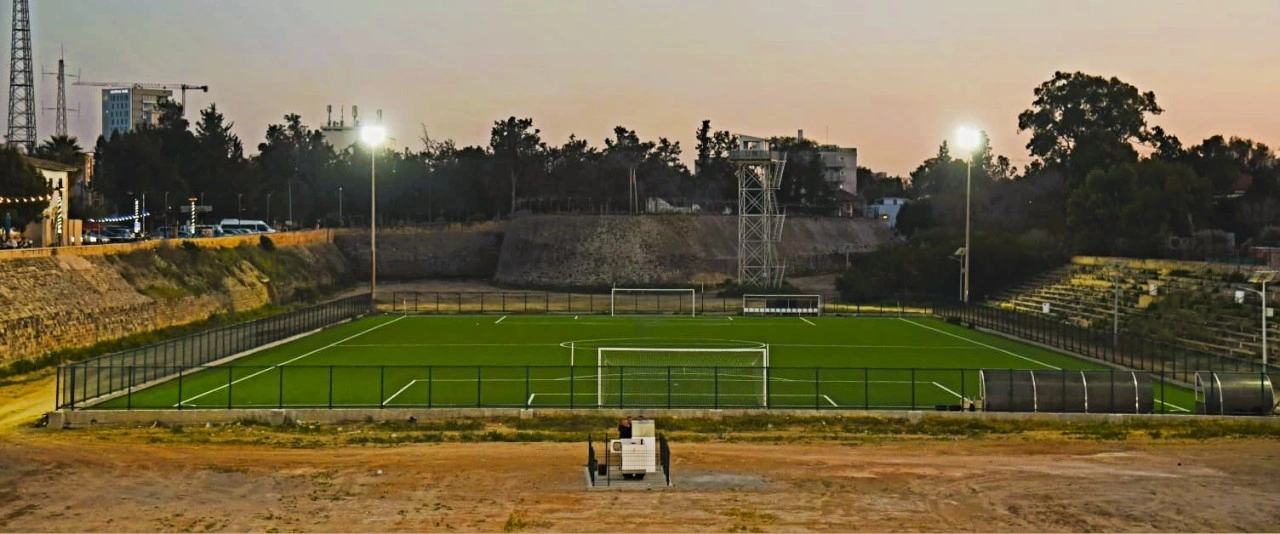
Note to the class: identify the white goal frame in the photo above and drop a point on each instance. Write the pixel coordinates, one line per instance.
(693, 297)
(781, 311)
(762, 349)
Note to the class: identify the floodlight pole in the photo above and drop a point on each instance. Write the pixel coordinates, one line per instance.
(1263, 294)
(968, 214)
(1115, 309)
(373, 227)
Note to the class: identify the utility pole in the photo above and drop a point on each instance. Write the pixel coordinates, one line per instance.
(22, 83)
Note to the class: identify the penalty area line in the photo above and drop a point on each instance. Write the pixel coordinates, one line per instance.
(530, 401)
(949, 390)
(287, 362)
(397, 393)
(808, 321)
(979, 343)
(500, 320)
(833, 403)
(1174, 406)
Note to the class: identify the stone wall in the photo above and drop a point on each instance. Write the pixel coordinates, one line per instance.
(79, 296)
(563, 251)
(454, 251)
(599, 251)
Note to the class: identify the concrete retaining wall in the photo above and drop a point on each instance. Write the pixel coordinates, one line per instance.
(72, 419)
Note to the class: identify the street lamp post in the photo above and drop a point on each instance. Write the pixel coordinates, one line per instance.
(373, 136)
(1262, 277)
(340, 225)
(167, 224)
(968, 139)
(268, 207)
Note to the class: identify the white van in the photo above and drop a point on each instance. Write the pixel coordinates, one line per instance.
(253, 226)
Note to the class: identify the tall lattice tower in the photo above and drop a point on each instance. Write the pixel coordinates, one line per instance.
(759, 222)
(60, 108)
(22, 82)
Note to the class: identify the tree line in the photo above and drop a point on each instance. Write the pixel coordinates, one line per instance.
(298, 175)
(1103, 180)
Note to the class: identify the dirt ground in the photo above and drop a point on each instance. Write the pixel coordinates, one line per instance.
(144, 480)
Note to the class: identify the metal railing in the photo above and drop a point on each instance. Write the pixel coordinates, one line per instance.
(592, 303)
(384, 387)
(1162, 358)
(127, 370)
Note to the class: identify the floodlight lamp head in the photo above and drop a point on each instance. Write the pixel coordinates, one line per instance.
(959, 252)
(968, 138)
(373, 135)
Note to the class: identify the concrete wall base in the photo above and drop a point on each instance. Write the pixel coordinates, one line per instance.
(88, 418)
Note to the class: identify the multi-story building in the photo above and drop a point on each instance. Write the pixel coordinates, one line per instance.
(124, 109)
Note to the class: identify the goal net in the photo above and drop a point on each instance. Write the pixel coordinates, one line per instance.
(782, 304)
(685, 377)
(625, 301)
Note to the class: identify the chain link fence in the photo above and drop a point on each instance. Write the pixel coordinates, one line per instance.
(105, 376)
(1163, 358)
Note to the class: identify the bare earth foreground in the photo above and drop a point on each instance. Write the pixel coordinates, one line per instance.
(251, 479)
(72, 481)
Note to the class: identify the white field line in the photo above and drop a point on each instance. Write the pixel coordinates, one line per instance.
(397, 394)
(334, 344)
(1174, 406)
(730, 318)
(530, 401)
(808, 321)
(701, 343)
(1016, 355)
(500, 320)
(949, 390)
(833, 403)
(450, 345)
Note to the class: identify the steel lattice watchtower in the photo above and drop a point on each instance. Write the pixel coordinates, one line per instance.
(759, 222)
(22, 89)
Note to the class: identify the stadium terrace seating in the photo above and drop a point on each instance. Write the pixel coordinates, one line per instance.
(1193, 305)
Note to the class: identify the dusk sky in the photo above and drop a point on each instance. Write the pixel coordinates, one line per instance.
(892, 78)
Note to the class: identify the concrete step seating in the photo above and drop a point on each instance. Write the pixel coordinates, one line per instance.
(1083, 293)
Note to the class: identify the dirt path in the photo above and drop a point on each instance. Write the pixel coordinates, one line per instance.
(91, 480)
(24, 398)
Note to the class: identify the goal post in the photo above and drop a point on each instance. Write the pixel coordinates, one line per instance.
(782, 304)
(682, 376)
(628, 301)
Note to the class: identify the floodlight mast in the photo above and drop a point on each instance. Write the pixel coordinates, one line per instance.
(373, 136)
(968, 139)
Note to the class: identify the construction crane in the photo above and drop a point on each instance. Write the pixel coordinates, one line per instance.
(165, 86)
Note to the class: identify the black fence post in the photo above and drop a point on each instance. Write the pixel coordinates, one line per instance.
(330, 387)
(430, 385)
(668, 387)
(280, 389)
(230, 381)
(180, 373)
(716, 383)
(866, 388)
(913, 388)
(817, 388)
(526, 385)
(382, 386)
(572, 379)
(478, 379)
(128, 403)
